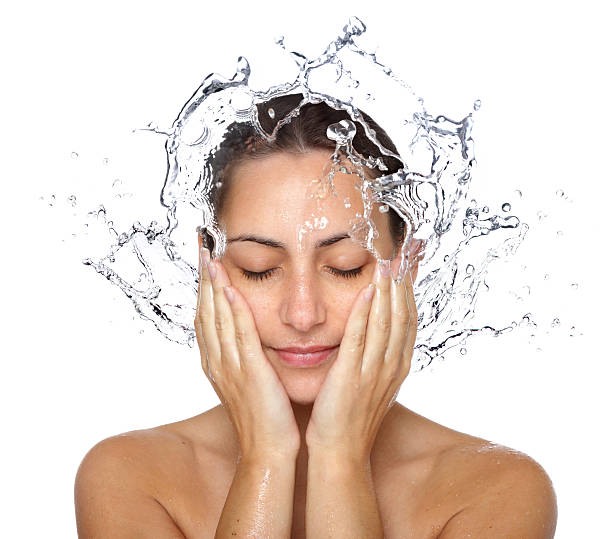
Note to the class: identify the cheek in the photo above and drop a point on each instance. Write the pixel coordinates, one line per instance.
(340, 302)
(261, 304)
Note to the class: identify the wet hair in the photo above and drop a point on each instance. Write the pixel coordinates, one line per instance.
(305, 132)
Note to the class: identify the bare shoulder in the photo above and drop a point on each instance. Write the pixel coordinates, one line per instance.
(454, 484)
(123, 483)
(500, 492)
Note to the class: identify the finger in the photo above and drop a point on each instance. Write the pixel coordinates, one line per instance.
(412, 323)
(205, 313)
(353, 341)
(246, 334)
(400, 319)
(224, 319)
(379, 323)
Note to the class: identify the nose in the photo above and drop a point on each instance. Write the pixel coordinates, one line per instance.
(302, 306)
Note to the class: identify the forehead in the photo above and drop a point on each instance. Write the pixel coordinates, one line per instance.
(283, 192)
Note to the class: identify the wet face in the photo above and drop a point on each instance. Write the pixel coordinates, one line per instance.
(299, 273)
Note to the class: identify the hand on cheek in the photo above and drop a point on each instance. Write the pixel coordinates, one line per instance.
(373, 361)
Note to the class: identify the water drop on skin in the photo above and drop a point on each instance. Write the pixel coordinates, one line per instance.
(383, 209)
(463, 351)
(74, 155)
(560, 193)
(506, 206)
(271, 113)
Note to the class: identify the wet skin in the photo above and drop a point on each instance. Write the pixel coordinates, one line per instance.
(430, 481)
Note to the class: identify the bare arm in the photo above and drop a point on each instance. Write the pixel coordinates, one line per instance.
(260, 500)
(340, 499)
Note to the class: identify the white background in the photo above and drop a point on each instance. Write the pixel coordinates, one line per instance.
(78, 77)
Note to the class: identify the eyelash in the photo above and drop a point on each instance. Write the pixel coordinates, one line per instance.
(260, 276)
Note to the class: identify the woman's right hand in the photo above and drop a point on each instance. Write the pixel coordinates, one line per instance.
(240, 373)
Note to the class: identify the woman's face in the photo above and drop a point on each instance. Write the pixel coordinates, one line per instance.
(301, 297)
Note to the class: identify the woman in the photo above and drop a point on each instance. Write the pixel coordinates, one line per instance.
(306, 339)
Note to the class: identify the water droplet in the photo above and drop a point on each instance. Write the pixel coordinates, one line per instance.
(52, 200)
(74, 155)
(218, 185)
(105, 161)
(342, 132)
(485, 209)
(555, 323)
(506, 206)
(72, 200)
(117, 183)
(383, 209)
(469, 269)
(559, 233)
(559, 193)
(574, 286)
(280, 40)
(347, 202)
(463, 351)
(541, 215)
(477, 104)
(271, 113)
(546, 276)
(519, 193)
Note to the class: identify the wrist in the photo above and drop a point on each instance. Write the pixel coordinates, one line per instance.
(338, 459)
(267, 458)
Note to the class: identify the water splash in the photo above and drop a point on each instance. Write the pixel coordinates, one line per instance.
(429, 192)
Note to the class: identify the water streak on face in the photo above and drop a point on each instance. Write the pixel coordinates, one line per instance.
(300, 286)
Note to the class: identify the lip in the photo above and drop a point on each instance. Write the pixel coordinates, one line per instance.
(305, 357)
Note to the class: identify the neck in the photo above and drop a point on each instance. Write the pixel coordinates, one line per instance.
(302, 414)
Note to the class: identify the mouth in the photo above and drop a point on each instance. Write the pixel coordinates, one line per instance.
(306, 357)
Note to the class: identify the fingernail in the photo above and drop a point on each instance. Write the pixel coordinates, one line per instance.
(204, 256)
(228, 294)
(212, 271)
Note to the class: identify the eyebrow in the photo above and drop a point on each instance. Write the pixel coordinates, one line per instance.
(280, 245)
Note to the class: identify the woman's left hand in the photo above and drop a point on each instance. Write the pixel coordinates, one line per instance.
(373, 360)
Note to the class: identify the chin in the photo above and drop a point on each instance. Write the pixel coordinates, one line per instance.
(302, 385)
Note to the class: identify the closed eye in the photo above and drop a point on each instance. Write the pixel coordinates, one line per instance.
(347, 274)
(261, 275)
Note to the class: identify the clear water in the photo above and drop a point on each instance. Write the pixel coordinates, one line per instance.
(463, 238)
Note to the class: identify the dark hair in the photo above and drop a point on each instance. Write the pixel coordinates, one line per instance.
(306, 131)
